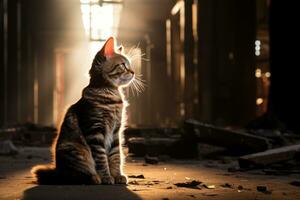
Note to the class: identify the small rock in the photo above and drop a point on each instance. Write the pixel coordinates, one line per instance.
(151, 160)
(170, 187)
(227, 185)
(263, 189)
(209, 186)
(295, 183)
(191, 184)
(141, 176)
(240, 187)
(191, 195)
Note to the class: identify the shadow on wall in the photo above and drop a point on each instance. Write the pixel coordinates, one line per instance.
(59, 192)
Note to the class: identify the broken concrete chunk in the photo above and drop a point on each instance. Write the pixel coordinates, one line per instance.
(232, 139)
(271, 156)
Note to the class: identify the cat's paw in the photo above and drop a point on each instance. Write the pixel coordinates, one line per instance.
(107, 180)
(121, 179)
(96, 179)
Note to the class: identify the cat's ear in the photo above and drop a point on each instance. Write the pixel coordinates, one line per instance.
(109, 47)
(121, 49)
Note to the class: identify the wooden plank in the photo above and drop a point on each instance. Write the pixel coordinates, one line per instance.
(270, 156)
(236, 140)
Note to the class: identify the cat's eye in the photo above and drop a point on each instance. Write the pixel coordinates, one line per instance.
(122, 66)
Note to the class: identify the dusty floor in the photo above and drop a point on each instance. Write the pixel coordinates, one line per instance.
(16, 182)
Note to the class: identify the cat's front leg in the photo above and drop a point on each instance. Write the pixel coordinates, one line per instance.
(96, 143)
(116, 162)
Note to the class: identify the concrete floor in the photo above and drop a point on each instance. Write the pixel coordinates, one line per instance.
(16, 182)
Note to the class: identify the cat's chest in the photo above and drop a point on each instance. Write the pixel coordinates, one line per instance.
(110, 112)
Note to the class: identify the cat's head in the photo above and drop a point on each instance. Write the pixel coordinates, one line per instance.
(111, 67)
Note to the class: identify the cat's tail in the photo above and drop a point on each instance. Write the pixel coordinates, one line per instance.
(45, 174)
(49, 175)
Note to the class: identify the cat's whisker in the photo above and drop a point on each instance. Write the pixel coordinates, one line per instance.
(134, 88)
(130, 51)
(137, 89)
(139, 84)
(131, 90)
(145, 59)
(140, 81)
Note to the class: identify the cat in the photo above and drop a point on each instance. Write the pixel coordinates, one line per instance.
(88, 148)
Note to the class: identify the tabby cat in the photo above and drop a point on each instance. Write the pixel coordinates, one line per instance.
(88, 147)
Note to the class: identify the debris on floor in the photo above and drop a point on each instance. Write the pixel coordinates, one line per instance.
(232, 139)
(258, 151)
(29, 134)
(209, 186)
(173, 179)
(263, 189)
(271, 156)
(190, 184)
(210, 147)
(227, 185)
(141, 176)
(8, 148)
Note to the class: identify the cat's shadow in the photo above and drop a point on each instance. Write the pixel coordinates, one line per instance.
(80, 192)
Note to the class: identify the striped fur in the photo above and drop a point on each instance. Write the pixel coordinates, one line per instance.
(88, 148)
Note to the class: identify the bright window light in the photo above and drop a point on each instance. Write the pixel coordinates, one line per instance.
(100, 18)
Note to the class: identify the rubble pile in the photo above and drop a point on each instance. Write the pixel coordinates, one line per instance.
(28, 134)
(273, 152)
